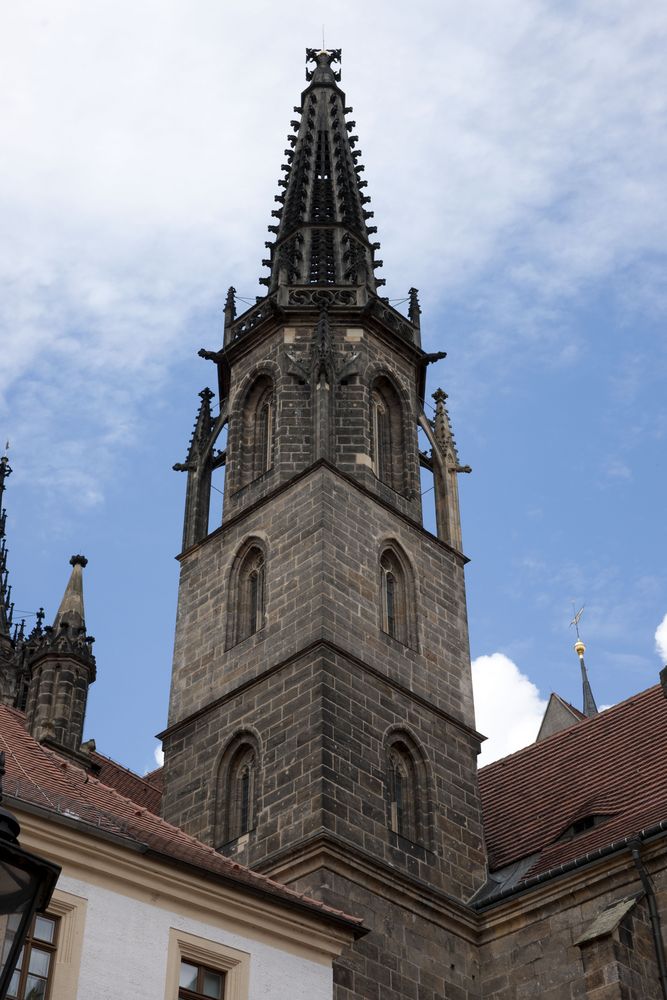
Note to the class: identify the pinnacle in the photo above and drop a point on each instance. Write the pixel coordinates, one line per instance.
(71, 611)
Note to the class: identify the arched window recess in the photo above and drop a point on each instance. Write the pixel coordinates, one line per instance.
(257, 430)
(236, 790)
(387, 434)
(406, 788)
(397, 597)
(247, 593)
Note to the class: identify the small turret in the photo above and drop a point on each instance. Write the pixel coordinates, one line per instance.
(61, 668)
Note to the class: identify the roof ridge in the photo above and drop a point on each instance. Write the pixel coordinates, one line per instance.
(128, 770)
(583, 728)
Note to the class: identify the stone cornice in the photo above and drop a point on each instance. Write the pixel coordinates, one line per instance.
(326, 644)
(331, 852)
(350, 480)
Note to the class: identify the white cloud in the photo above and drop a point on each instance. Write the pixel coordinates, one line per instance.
(158, 753)
(661, 639)
(508, 706)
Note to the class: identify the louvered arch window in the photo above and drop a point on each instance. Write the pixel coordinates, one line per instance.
(247, 597)
(257, 430)
(387, 438)
(237, 790)
(407, 804)
(397, 610)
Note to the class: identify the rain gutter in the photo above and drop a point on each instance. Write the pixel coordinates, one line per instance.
(586, 859)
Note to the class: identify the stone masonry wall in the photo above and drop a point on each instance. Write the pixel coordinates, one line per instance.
(321, 723)
(408, 954)
(534, 951)
(323, 540)
(370, 355)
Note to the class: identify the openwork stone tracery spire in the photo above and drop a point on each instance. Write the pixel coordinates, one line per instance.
(322, 232)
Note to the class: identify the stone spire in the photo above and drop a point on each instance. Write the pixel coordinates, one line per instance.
(71, 613)
(61, 668)
(322, 235)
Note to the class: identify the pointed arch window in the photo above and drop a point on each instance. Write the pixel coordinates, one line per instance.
(241, 793)
(264, 434)
(406, 789)
(397, 610)
(251, 587)
(237, 790)
(246, 601)
(257, 430)
(387, 440)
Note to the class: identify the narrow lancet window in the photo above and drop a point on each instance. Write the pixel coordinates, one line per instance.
(390, 598)
(396, 599)
(264, 436)
(236, 790)
(251, 609)
(406, 788)
(387, 434)
(247, 593)
(256, 431)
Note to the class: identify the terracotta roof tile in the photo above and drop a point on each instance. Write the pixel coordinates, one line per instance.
(38, 775)
(143, 791)
(612, 765)
(156, 778)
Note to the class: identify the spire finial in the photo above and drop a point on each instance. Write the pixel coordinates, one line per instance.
(323, 58)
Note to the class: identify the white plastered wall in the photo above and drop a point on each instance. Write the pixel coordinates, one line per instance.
(125, 946)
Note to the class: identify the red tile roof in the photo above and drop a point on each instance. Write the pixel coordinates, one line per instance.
(613, 764)
(39, 776)
(156, 778)
(144, 791)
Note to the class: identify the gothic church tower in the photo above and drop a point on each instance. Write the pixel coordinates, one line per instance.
(321, 724)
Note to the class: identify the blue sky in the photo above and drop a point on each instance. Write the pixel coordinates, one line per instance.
(516, 157)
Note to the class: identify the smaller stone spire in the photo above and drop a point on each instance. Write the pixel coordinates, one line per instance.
(590, 708)
(71, 611)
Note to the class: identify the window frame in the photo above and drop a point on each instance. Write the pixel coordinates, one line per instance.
(184, 993)
(213, 955)
(32, 943)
